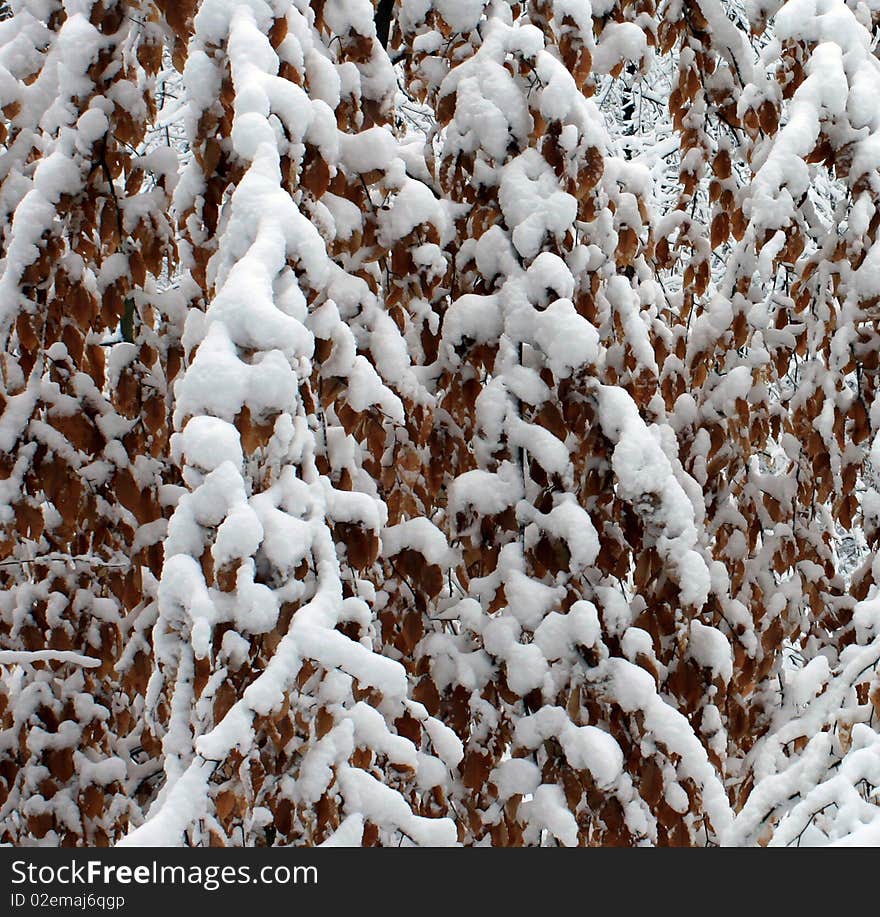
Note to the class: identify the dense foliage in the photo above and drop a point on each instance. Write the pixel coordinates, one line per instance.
(439, 421)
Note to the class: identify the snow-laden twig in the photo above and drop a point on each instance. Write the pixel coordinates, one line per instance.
(24, 657)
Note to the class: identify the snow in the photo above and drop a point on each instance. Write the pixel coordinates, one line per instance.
(182, 805)
(371, 731)
(208, 442)
(526, 665)
(623, 299)
(486, 493)
(619, 41)
(532, 203)
(634, 689)
(234, 649)
(385, 807)
(572, 524)
(547, 450)
(586, 747)
(213, 22)
(516, 776)
(460, 15)
(474, 317)
(417, 535)
(558, 635)
(218, 383)
(616, 610)
(711, 650)
(350, 832)
(804, 684)
(446, 743)
(547, 808)
(23, 657)
(78, 45)
(286, 539)
(568, 340)
(57, 175)
(784, 176)
(647, 479)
